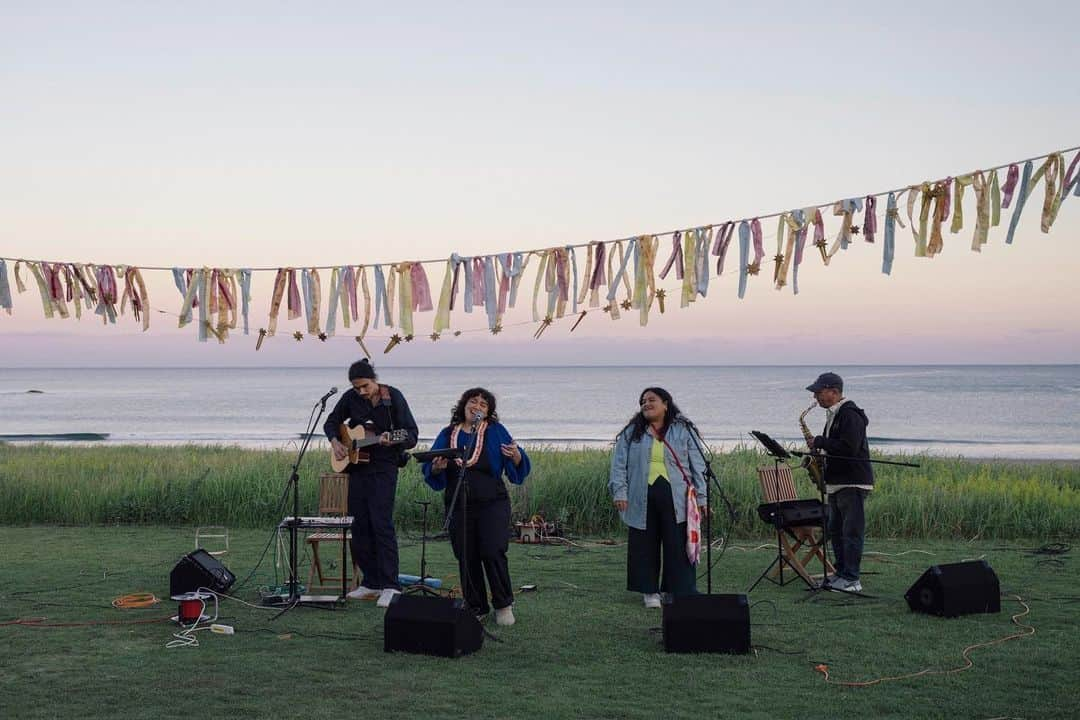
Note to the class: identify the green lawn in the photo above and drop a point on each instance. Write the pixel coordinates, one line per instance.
(583, 647)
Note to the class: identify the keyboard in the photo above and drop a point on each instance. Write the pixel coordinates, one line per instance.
(317, 522)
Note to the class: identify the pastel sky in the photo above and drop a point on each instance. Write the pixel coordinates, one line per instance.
(268, 134)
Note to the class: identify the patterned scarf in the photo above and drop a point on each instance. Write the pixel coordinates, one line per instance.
(478, 445)
(693, 513)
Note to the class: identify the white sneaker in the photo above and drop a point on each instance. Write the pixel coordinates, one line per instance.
(504, 616)
(387, 597)
(364, 593)
(843, 585)
(652, 600)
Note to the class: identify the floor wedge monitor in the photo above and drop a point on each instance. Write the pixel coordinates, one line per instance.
(707, 623)
(430, 626)
(956, 589)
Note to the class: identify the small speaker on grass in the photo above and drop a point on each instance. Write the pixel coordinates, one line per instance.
(707, 623)
(197, 570)
(430, 626)
(956, 589)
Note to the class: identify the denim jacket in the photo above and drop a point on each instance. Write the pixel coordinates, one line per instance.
(630, 467)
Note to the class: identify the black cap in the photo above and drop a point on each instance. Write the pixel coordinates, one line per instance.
(827, 380)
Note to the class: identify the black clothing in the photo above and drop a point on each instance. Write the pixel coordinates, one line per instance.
(387, 414)
(374, 541)
(847, 438)
(847, 527)
(372, 485)
(643, 556)
(480, 534)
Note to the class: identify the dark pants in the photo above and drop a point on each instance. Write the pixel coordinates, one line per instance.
(847, 528)
(480, 540)
(662, 535)
(374, 542)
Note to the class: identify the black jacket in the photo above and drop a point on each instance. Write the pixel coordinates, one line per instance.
(847, 438)
(392, 414)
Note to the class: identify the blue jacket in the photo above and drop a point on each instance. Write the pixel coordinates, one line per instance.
(630, 467)
(495, 436)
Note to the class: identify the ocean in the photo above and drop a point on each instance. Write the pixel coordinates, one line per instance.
(1000, 411)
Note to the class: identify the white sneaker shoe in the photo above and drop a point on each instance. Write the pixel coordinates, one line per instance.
(387, 597)
(652, 600)
(504, 616)
(364, 593)
(843, 585)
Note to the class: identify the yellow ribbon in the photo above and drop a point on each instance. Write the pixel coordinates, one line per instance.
(541, 273)
(367, 307)
(47, 303)
(645, 276)
(1053, 172)
(405, 299)
(280, 282)
(442, 312)
(995, 199)
(793, 227)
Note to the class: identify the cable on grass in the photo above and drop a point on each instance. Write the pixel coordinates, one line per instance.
(39, 622)
(135, 601)
(968, 663)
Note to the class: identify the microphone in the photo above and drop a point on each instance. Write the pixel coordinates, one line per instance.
(477, 417)
(326, 397)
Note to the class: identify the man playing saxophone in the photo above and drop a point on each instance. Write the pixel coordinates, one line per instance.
(848, 477)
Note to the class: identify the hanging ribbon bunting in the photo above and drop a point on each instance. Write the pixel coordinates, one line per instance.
(869, 222)
(1020, 200)
(721, 245)
(135, 291)
(5, 288)
(645, 277)
(676, 257)
(223, 296)
(744, 256)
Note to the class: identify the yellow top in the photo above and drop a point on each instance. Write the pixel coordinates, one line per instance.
(656, 461)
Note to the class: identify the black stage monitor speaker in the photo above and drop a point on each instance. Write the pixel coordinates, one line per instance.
(199, 569)
(431, 626)
(956, 589)
(707, 623)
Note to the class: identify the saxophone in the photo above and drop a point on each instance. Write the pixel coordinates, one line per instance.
(812, 464)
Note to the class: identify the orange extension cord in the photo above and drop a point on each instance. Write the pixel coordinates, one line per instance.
(968, 663)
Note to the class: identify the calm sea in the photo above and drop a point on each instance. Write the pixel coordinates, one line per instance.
(975, 411)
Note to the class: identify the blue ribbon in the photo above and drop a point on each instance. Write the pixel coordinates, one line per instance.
(331, 312)
(5, 288)
(180, 279)
(889, 249)
(701, 261)
(744, 255)
(1021, 199)
(491, 291)
(613, 285)
(245, 295)
(380, 295)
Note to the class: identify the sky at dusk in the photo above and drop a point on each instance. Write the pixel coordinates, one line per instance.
(274, 134)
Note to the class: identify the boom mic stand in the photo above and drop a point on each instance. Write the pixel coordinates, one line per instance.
(294, 524)
(709, 475)
(465, 581)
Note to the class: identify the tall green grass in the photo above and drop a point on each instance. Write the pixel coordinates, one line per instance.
(243, 488)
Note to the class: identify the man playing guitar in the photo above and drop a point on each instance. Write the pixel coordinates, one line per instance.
(372, 408)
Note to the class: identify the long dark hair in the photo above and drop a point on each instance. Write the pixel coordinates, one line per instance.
(639, 423)
(457, 415)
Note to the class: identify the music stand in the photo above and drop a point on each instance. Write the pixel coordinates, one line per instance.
(778, 453)
(423, 457)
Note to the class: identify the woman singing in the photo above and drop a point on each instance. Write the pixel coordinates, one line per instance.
(655, 460)
(480, 526)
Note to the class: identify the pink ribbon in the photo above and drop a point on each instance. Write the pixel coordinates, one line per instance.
(721, 245)
(1010, 185)
(421, 291)
(869, 223)
(676, 258)
(293, 305)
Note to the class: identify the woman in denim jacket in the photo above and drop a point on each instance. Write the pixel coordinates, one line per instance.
(655, 455)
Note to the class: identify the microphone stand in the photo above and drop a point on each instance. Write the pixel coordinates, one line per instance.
(709, 475)
(294, 523)
(464, 511)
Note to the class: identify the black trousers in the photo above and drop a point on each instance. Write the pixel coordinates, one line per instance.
(480, 540)
(662, 537)
(847, 529)
(374, 540)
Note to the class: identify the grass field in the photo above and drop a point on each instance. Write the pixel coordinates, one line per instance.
(583, 646)
(944, 498)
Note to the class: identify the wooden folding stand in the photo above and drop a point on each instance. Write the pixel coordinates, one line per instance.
(799, 525)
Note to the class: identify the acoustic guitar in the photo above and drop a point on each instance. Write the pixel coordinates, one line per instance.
(355, 439)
